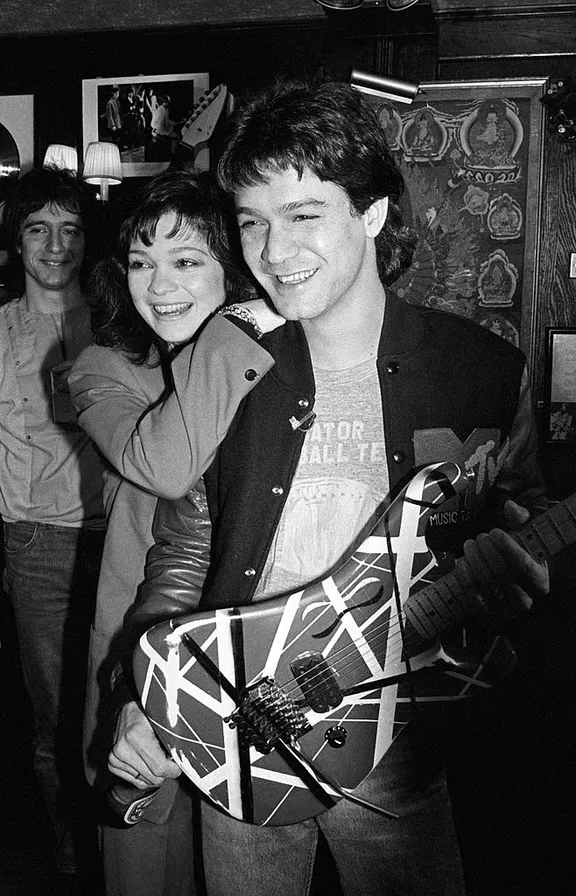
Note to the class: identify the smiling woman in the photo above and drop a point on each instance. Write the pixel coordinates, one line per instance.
(175, 282)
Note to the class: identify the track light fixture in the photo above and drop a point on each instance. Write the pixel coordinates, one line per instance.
(384, 87)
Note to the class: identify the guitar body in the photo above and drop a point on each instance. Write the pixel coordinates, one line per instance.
(324, 670)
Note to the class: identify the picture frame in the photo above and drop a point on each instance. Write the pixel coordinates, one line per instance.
(145, 145)
(471, 156)
(16, 134)
(560, 394)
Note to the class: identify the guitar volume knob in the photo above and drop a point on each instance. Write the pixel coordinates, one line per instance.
(336, 736)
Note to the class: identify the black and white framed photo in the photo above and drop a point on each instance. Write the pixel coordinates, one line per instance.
(560, 403)
(144, 115)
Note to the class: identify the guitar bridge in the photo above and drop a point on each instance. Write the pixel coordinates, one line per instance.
(265, 715)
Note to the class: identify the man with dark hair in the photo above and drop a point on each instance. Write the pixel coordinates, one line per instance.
(50, 486)
(366, 388)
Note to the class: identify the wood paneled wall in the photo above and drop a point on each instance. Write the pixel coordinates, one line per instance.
(243, 43)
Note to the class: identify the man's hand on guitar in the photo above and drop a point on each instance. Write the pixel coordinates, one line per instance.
(500, 571)
(137, 755)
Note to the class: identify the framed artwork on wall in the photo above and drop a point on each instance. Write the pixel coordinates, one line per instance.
(471, 156)
(145, 116)
(560, 401)
(16, 138)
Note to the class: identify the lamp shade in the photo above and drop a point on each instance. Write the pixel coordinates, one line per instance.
(382, 86)
(103, 166)
(58, 155)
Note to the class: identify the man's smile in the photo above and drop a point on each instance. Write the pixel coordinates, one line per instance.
(299, 277)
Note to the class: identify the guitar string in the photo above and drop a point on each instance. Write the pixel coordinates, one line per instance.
(350, 656)
(394, 637)
(550, 522)
(411, 639)
(347, 658)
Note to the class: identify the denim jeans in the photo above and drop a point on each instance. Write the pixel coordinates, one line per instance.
(414, 855)
(51, 577)
(155, 859)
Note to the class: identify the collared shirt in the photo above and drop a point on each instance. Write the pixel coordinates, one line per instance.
(49, 470)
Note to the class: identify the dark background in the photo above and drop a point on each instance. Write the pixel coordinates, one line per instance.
(512, 757)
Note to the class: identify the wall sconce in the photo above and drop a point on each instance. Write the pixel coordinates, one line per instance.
(103, 166)
(382, 86)
(58, 155)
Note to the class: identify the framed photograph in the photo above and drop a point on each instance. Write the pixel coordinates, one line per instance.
(471, 156)
(16, 138)
(560, 402)
(144, 115)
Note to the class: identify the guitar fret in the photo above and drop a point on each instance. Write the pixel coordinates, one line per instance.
(436, 607)
(555, 530)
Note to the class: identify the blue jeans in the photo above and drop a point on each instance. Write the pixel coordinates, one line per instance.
(414, 855)
(51, 577)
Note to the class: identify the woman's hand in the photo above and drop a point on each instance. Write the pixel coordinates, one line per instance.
(266, 318)
(137, 756)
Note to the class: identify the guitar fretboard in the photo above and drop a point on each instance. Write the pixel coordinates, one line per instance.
(437, 607)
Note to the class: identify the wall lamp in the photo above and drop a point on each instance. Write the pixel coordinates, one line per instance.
(103, 166)
(394, 5)
(382, 86)
(58, 155)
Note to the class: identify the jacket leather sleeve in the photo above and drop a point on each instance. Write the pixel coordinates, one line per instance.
(178, 562)
(165, 446)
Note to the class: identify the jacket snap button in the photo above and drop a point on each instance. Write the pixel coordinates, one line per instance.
(277, 490)
(393, 367)
(250, 572)
(303, 403)
(398, 456)
(250, 375)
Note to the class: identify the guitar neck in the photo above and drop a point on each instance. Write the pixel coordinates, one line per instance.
(443, 604)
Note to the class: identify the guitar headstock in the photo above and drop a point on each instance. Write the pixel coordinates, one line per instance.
(201, 124)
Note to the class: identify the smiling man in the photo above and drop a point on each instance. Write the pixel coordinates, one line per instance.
(366, 388)
(50, 487)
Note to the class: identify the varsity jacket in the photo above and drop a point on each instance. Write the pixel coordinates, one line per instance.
(451, 391)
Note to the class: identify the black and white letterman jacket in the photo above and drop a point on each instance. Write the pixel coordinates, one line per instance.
(451, 391)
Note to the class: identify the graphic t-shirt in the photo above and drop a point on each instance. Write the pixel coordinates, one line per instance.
(341, 479)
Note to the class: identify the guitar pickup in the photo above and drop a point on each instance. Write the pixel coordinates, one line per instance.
(317, 681)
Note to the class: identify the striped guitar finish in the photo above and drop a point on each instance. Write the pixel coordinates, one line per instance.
(316, 660)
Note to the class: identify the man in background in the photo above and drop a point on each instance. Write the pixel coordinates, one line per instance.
(50, 489)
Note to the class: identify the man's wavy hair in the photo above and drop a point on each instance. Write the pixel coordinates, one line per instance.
(329, 129)
(62, 189)
(198, 203)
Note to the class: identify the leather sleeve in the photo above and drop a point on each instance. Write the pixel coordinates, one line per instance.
(178, 562)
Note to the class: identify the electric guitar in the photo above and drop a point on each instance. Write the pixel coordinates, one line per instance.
(278, 709)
